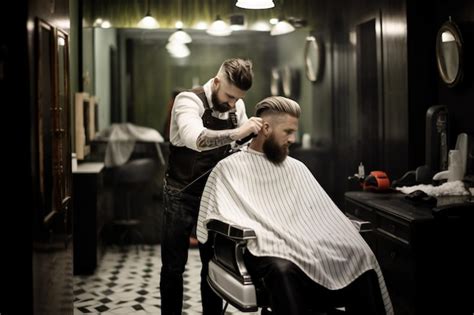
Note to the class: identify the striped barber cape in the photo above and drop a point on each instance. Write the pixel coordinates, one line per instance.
(292, 216)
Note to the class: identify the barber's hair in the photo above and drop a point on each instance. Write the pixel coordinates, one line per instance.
(278, 105)
(237, 72)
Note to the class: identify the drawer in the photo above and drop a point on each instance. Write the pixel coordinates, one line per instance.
(360, 212)
(391, 227)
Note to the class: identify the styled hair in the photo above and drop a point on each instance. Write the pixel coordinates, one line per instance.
(237, 72)
(278, 105)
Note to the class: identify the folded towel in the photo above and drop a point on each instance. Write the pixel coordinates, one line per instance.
(454, 188)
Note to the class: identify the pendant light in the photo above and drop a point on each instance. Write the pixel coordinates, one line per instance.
(219, 28)
(148, 21)
(178, 50)
(255, 4)
(179, 35)
(282, 27)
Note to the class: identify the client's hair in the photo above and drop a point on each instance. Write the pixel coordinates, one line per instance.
(237, 72)
(278, 105)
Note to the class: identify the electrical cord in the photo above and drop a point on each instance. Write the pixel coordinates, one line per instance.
(240, 143)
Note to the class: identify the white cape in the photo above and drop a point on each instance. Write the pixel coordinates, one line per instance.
(292, 216)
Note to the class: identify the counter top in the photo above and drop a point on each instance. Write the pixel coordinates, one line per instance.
(89, 167)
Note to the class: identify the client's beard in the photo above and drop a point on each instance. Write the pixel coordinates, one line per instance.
(220, 107)
(274, 152)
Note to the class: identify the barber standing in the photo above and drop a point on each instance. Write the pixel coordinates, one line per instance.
(204, 122)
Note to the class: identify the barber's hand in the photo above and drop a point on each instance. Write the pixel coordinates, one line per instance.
(251, 126)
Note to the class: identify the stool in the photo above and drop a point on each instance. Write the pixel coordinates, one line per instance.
(131, 178)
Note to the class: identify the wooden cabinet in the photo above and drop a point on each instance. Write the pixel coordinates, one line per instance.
(409, 246)
(50, 154)
(53, 123)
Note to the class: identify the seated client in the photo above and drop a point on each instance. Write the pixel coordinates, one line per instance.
(306, 251)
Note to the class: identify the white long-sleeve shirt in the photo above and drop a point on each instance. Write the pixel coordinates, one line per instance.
(186, 124)
(292, 216)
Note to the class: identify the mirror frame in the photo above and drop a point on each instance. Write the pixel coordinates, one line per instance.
(312, 69)
(449, 26)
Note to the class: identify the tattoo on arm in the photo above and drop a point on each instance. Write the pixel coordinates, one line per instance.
(210, 139)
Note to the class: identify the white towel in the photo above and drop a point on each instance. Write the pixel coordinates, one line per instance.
(121, 140)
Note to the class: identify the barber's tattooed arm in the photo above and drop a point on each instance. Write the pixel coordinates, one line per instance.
(210, 139)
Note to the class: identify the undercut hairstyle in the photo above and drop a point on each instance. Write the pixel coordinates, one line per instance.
(238, 72)
(277, 105)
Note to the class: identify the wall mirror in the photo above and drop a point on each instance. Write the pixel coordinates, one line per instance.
(312, 58)
(449, 53)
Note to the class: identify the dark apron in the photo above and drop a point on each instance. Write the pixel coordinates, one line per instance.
(186, 165)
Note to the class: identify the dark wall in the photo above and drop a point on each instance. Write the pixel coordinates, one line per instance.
(25, 280)
(13, 78)
(459, 99)
(359, 135)
(407, 80)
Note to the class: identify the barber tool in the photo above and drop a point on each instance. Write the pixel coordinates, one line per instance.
(246, 139)
(232, 151)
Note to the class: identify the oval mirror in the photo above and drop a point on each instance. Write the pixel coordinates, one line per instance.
(449, 53)
(312, 58)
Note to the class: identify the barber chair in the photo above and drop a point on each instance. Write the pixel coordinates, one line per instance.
(229, 278)
(131, 179)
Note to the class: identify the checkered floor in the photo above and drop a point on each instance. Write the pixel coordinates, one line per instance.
(129, 283)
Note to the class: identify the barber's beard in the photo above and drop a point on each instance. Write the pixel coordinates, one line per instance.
(273, 151)
(220, 107)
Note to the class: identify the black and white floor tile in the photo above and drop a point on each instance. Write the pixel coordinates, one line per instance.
(127, 282)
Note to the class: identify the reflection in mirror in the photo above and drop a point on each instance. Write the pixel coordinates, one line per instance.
(449, 53)
(145, 72)
(275, 85)
(312, 58)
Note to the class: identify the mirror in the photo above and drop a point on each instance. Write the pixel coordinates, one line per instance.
(133, 75)
(275, 84)
(449, 53)
(312, 59)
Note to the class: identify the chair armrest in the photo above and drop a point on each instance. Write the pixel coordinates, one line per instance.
(233, 231)
(229, 243)
(361, 225)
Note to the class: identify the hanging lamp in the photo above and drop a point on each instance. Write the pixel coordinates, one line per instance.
(219, 28)
(180, 35)
(282, 27)
(178, 50)
(148, 21)
(255, 4)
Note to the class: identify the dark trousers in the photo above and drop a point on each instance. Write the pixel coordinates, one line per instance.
(179, 218)
(291, 291)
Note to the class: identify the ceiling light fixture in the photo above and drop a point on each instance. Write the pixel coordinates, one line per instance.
(148, 21)
(255, 4)
(282, 27)
(219, 28)
(180, 36)
(261, 26)
(178, 50)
